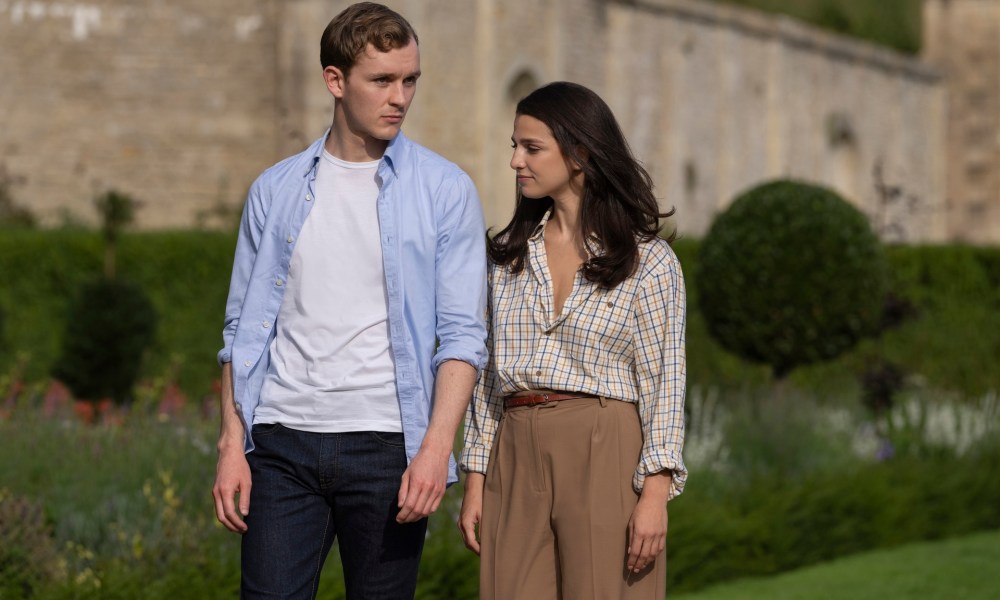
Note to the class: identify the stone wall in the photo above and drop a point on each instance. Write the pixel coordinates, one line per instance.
(182, 103)
(962, 38)
(717, 99)
(171, 102)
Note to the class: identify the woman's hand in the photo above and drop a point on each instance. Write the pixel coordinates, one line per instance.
(472, 510)
(647, 527)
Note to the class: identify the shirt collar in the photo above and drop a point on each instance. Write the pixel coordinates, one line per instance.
(392, 157)
(594, 247)
(539, 231)
(314, 152)
(394, 152)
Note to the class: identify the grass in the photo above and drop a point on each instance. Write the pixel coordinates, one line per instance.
(955, 568)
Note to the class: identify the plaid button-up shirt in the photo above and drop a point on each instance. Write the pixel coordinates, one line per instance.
(625, 343)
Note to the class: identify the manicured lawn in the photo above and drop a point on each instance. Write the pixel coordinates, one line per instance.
(958, 568)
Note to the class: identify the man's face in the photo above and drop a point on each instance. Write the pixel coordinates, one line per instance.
(377, 91)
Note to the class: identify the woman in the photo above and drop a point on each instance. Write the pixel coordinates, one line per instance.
(573, 440)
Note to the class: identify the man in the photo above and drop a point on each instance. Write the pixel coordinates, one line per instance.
(353, 336)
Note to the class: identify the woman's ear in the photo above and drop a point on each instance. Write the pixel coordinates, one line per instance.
(580, 156)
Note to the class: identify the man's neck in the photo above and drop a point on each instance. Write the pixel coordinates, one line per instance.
(348, 145)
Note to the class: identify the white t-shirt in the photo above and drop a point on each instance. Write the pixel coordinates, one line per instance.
(332, 368)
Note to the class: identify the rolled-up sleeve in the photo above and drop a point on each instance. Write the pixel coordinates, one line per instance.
(482, 417)
(660, 313)
(460, 273)
(247, 244)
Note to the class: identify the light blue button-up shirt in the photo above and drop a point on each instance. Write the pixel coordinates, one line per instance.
(434, 256)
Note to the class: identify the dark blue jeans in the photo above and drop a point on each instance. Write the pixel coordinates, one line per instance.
(309, 488)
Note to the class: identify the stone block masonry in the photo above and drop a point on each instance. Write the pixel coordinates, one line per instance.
(170, 102)
(181, 103)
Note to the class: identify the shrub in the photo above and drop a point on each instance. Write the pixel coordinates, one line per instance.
(770, 525)
(784, 438)
(108, 329)
(709, 364)
(117, 210)
(791, 274)
(28, 556)
(447, 569)
(111, 324)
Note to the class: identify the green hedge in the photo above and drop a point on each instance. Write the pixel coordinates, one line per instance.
(775, 526)
(186, 274)
(953, 343)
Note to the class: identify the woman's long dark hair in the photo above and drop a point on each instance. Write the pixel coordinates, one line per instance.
(617, 204)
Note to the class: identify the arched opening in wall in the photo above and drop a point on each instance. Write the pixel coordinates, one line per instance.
(845, 163)
(499, 205)
(690, 178)
(520, 86)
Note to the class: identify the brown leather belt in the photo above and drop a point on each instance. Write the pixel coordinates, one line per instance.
(541, 398)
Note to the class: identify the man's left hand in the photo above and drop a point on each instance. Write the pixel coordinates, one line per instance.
(425, 480)
(423, 486)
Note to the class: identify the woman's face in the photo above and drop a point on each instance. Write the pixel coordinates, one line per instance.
(542, 168)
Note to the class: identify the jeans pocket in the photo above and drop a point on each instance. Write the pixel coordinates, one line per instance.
(386, 438)
(264, 429)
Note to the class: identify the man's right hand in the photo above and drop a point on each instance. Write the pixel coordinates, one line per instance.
(232, 473)
(232, 481)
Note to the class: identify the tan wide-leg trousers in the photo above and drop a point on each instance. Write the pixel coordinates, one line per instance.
(556, 505)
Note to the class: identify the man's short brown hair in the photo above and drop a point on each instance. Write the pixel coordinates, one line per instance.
(349, 33)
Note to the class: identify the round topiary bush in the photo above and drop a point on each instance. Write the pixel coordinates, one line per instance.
(109, 326)
(790, 274)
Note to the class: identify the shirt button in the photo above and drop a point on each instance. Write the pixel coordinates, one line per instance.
(247, 363)
(266, 324)
(308, 197)
(548, 333)
(611, 304)
(278, 282)
(538, 373)
(290, 238)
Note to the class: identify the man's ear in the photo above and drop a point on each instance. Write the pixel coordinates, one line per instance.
(335, 81)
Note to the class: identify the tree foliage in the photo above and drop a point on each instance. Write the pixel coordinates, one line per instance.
(109, 327)
(791, 274)
(110, 323)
